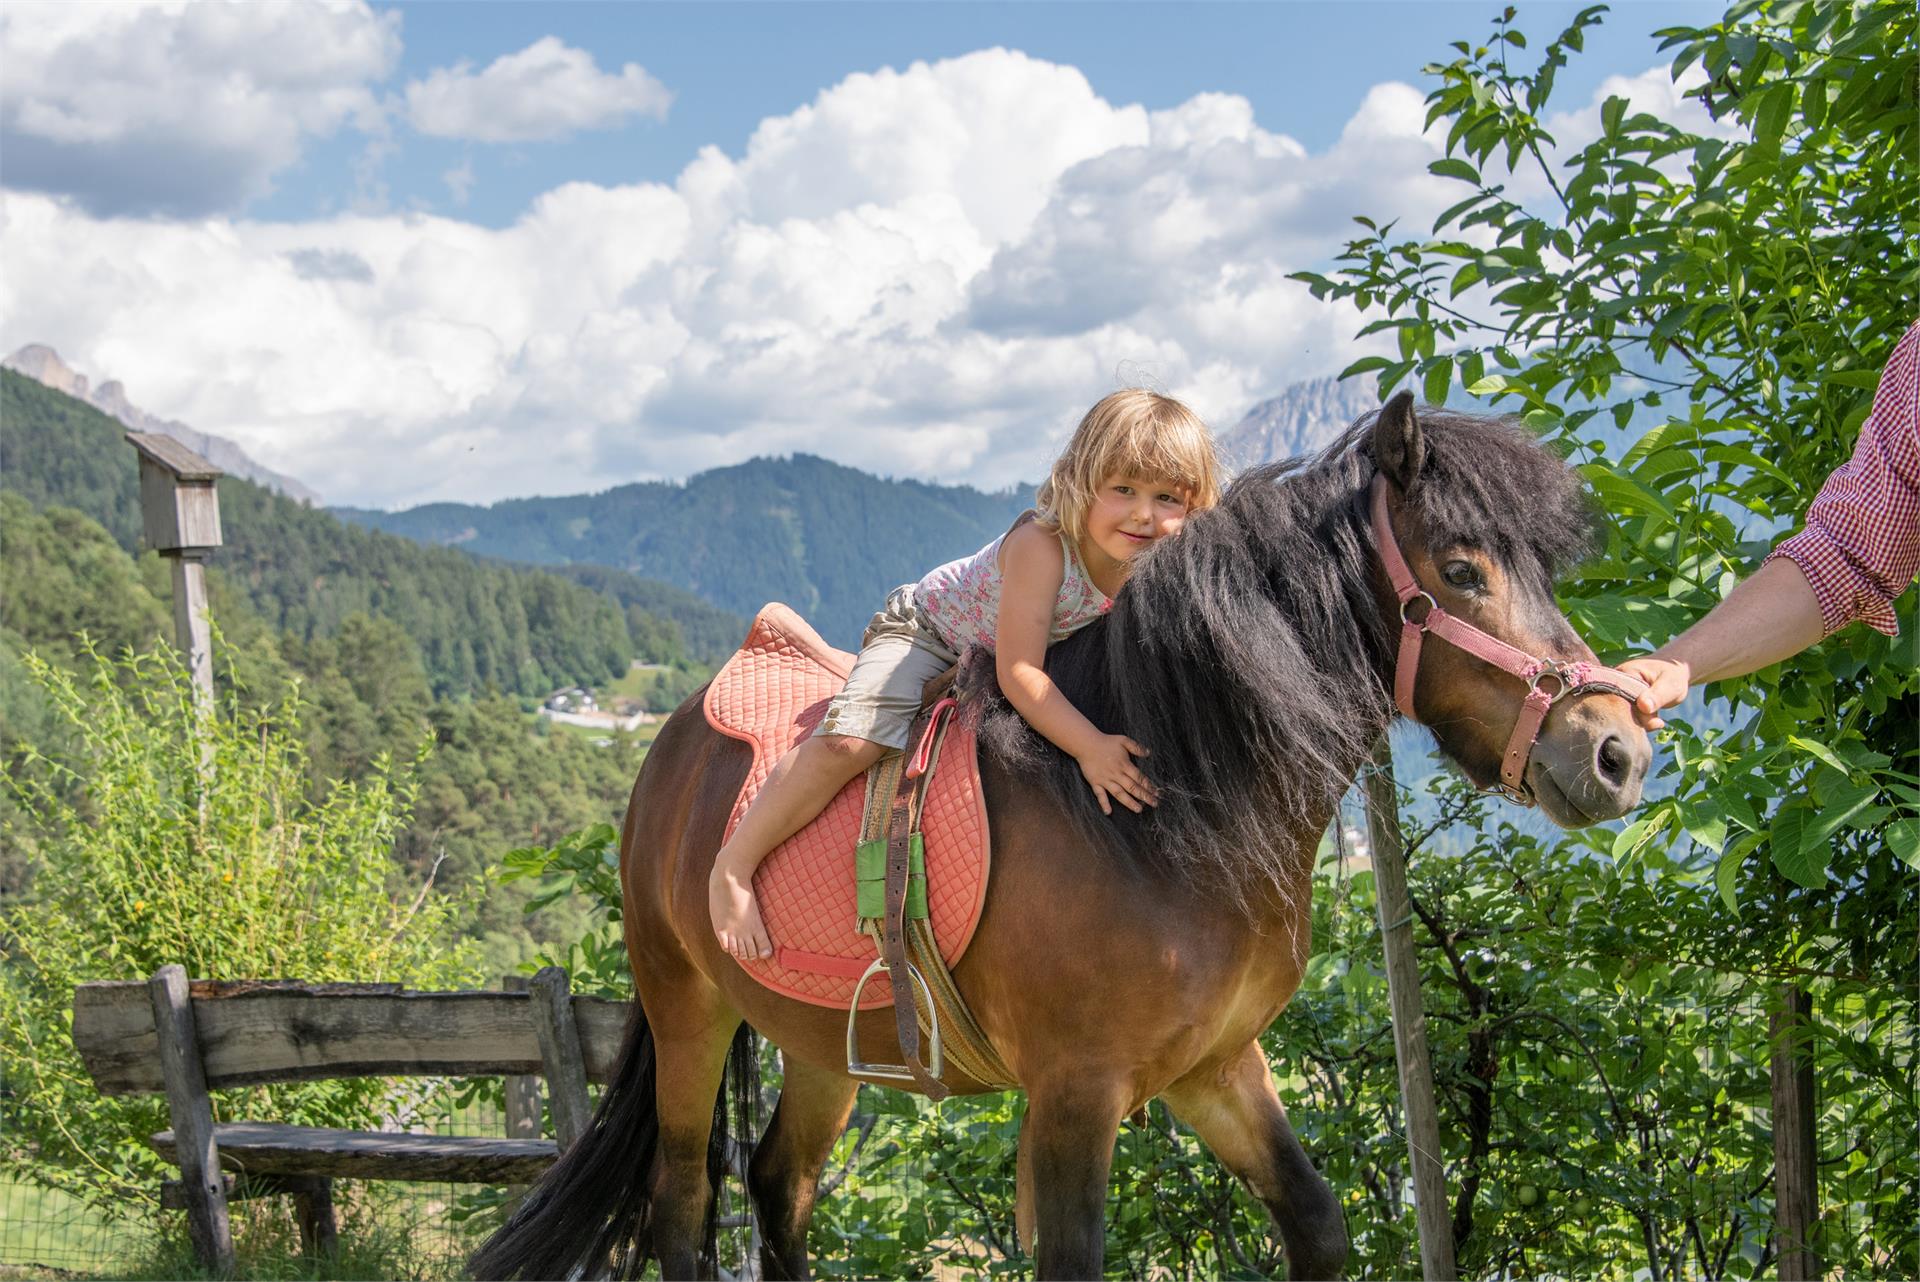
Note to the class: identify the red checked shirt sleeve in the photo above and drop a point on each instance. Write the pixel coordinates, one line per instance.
(1860, 545)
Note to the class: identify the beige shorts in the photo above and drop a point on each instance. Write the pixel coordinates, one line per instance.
(898, 656)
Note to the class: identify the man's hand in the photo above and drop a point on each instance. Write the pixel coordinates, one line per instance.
(1108, 766)
(1667, 681)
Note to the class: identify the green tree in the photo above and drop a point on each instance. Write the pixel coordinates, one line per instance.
(1743, 293)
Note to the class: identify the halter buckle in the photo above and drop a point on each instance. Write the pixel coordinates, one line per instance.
(1420, 622)
(1517, 796)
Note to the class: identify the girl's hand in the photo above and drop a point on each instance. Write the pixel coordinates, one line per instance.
(1108, 766)
(1667, 682)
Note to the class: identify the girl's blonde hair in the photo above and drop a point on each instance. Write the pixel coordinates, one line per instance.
(1130, 433)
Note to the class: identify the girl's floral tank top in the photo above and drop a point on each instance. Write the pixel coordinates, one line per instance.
(961, 599)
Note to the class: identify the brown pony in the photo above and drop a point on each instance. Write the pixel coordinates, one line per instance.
(1121, 957)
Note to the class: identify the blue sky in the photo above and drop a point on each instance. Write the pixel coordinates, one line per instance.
(1304, 66)
(471, 251)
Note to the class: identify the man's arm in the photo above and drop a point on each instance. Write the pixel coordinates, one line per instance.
(1769, 617)
(1856, 552)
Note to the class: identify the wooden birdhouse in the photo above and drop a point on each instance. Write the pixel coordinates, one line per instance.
(178, 504)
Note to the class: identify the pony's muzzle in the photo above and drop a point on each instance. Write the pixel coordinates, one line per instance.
(1591, 764)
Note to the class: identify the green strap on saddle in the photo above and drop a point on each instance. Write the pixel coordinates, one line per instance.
(870, 870)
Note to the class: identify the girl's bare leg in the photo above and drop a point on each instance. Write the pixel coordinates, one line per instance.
(811, 774)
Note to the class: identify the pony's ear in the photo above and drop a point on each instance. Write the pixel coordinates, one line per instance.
(1398, 450)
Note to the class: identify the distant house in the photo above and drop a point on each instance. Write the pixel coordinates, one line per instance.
(576, 706)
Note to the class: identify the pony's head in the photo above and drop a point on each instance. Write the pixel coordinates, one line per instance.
(1485, 518)
(1254, 653)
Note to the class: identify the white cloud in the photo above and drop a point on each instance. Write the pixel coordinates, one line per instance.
(903, 274)
(547, 90)
(176, 108)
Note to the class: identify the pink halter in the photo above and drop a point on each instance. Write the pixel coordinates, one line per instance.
(1567, 678)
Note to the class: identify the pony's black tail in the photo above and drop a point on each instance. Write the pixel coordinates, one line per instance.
(591, 1213)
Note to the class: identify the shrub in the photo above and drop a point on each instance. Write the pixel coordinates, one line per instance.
(173, 835)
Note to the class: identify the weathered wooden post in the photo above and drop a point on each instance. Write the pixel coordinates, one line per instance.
(192, 1112)
(560, 1053)
(180, 513)
(1409, 1018)
(1796, 1172)
(523, 1100)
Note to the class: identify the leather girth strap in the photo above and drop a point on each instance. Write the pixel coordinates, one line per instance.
(893, 933)
(902, 942)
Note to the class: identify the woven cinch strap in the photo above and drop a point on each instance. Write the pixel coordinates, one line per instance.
(965, 1046)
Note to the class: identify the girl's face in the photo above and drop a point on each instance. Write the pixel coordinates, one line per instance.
(1131, 512)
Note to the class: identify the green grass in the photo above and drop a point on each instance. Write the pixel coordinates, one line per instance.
(635, 683)
(54, 1230)
(385, 1231)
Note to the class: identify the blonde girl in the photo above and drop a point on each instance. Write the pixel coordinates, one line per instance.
(1137, 465)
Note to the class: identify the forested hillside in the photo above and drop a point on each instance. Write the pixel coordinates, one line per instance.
(831, 541)
(491, 779)
(477, 624)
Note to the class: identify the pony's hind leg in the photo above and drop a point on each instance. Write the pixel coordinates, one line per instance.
(1237, 1113)
(784, 1175)
(692, 1030)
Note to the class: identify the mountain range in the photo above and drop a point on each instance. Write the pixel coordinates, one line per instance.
(43, 365)
(827, 539)
(478, 623)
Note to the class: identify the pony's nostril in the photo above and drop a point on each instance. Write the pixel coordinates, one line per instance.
(1613, 760)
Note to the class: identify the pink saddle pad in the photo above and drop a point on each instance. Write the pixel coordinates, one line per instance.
(771, 694)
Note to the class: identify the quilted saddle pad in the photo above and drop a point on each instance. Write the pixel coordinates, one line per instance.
(771, 694)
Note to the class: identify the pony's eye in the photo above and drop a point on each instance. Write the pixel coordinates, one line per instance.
(1460, 574)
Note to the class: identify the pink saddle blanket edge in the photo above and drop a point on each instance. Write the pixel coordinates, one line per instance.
(770, 695)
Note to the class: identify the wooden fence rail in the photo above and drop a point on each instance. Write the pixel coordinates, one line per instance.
(186, 1038)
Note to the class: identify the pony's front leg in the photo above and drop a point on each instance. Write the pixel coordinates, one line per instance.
(784, 1175)
(1070, 1130)
(1236, 1112)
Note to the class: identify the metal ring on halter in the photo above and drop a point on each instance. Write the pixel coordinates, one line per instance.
(1551, 670)
(1421, 622)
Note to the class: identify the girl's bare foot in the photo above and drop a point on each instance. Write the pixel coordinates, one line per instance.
(736, 917)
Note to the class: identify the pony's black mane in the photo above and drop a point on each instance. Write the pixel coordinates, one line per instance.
(1249, 655)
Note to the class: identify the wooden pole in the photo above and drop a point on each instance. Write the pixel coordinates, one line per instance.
(1795, 1173)
(1409, 1020)
(560, 1052)
(190, 626)
(192, 1112)
(523, 1099)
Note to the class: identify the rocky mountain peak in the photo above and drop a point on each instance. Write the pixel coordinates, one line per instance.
(1301, 420)
(43, 365)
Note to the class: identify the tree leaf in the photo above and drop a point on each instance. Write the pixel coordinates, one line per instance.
(1815, 748)
(1454, 167)
(1798, 860)
(1726, 872)
(1439, 377)
(1610, 112)
(1903, 838)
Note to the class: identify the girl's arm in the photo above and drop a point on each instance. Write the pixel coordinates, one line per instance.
(1032, 566)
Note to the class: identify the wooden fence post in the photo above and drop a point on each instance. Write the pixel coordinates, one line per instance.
(523, 1098)
(192, 1112)
(1795, 1174)
(560, 1052)
(1409, 1020)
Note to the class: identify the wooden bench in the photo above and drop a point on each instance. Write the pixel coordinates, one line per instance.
(185, 1038)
